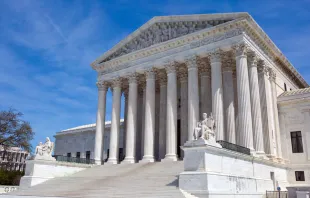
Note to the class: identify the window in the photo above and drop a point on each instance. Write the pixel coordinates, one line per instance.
(296, 140)
(78, 154)
(300, 175)
(68, 154)
(87, 154)
(285, 88)
(291, 89)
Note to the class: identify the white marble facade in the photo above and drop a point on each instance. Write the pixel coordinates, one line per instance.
(173, 69)
(82, 139)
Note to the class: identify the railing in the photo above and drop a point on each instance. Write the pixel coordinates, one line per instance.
(74, 159)
(234, 147)
(276, 194)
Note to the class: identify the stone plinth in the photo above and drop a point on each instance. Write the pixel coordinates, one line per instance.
(38, 171)
(211, 171)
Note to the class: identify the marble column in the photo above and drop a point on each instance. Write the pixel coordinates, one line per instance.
(182, 74)
(193, 96)
(171, 125)
(236, 106)
(217, 93)
(100, 123)
(266, 108)
(162, 114)
(283, 127)
(205, 87)
(115, 123)
(140, 112)
(125, 123)
(244, 98)
(255, 105)
(131, 120)
(274, 98)
(149, 123)
(229, 104)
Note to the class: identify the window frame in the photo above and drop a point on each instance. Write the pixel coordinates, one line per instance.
(296, 142)
(301, 176)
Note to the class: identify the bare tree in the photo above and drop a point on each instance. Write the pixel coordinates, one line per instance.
(15, 132)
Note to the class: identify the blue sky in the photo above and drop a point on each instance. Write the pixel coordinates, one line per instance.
(46, 48)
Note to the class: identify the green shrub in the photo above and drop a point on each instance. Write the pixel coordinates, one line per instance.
(10, 177)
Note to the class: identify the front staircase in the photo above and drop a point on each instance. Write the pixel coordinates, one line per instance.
(141, 180)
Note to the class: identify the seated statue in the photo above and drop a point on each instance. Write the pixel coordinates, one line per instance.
(205, 128)
(44, 151)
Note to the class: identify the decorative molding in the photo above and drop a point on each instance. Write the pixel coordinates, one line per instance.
(149, 73)
(272, 75)
(252, 59)
(227, 61)
(116, 82)
(240, 49)
(132, 78)
(182, 74)
(102, 85)
(262, 68)
(161, 32)
(191, 61)
(170, 67)
(215, 55)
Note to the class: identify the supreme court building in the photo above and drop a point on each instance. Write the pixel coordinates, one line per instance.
(174, 68)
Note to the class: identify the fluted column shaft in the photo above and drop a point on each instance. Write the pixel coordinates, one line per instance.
(266, 106)
(229, 105)
(184, 108)
(283, 128)
(125, 123)
(193, 96)
(131, 130)
(217, 93)
(255, 105)
(244, 99)
(100, 123)
(115, 123)
(272, 78)
(162, 115)
(149, 123)
(205, 87)
(171, 130)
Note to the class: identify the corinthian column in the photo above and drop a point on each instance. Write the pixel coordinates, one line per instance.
(182, 74)
(256, 107)
(149, 123)
(244, 99)
(266, 106)
(217, 93)
(193, 96)
(229, 105)
(171, 131)
(131, 120)
(100, 123)
(272, 77)
(115, 123)
(162, 114)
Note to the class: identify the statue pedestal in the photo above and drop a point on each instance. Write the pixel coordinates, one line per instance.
(212, 171)
(40, 170)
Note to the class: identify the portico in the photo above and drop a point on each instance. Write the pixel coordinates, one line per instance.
(175, 69)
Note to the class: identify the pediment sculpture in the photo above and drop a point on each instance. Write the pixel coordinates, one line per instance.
(161, 32)
(44, 151)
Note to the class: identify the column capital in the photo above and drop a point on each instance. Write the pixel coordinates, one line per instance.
(262, 67)
(240, 49)
(149, 73)
(215, 55)
(102, 85)
(227, 62)
(132, 78)
(252, 59)
(162, 77)
(170, 67)
(272, 74)
(182, 74)
(204, 67)
(191, 61)
(116, 82)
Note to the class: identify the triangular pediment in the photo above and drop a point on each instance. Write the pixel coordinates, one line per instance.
(161, 29)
